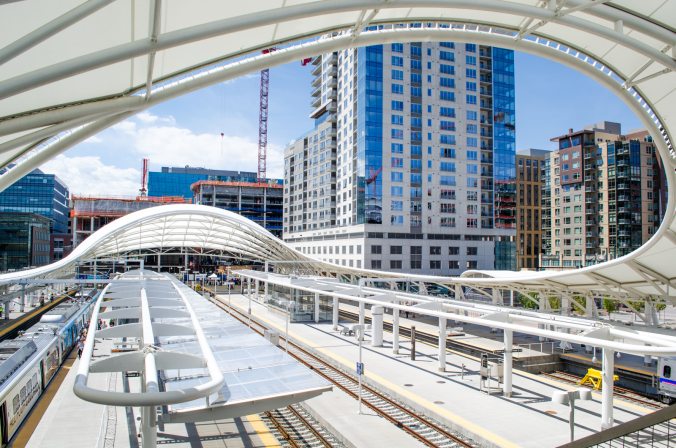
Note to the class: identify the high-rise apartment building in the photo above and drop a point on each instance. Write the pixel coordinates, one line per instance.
(601, 196)
(411, 165)
(528, 207)
(24, 240)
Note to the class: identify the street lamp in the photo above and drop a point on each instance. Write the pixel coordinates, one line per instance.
(359, 333)
(569, 397)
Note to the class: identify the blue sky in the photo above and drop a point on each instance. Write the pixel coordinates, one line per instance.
(550, 98)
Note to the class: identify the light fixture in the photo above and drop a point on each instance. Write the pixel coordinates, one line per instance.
(568, 398)
(594, 357)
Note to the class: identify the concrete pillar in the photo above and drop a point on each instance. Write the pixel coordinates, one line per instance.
(442, 344)
(74, 237)
(511, 298)
(607, 390)
(316, 307)
(256, 289)
(497, 298)
(395, 329)
(377, 326)
(336, 308)
(22, 307)
(507, 367)
(159, 261)
(362, 312)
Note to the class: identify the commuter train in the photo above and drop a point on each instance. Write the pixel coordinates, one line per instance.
(666, 374)
(29, 362)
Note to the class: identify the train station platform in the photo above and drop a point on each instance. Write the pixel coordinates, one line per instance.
(528, 419)
(69, 422)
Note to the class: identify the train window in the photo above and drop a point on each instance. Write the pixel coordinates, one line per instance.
(15, 404)
(666, 372)
(29, 386)
(23, 394)
(35, 380)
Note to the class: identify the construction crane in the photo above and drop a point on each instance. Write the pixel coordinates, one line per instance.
(263, 122)
(143, 192)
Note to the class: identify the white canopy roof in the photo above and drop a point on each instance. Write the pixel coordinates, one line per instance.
(62, 65)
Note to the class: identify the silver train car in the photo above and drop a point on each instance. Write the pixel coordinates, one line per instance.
(28, 362)
(666, 374)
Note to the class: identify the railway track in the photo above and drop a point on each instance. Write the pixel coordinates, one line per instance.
(425, 430)
(294, 427)
(12, 328)
(620, 392)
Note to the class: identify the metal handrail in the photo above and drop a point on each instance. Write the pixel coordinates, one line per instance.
(630, 427)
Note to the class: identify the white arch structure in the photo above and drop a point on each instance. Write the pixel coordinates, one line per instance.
(66, 74)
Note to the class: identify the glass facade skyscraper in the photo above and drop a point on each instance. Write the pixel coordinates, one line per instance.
(424, 156)
(41, 193)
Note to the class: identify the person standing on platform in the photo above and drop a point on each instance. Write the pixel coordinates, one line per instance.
(80, 347)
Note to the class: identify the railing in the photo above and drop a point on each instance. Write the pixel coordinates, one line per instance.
(650, 431)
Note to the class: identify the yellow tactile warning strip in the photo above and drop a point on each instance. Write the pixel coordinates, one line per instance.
(460, 421)
(28, 427)
(263, 432)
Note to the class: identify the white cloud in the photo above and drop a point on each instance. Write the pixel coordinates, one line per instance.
(94, 139)
(126, 127)
(176, 146)
(147, 117)
(89, 176)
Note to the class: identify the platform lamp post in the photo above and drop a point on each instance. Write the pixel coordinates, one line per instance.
(569, 397)
(359, 332)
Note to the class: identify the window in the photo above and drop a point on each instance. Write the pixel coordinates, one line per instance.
(395, 250)
(435, 250)
(470, 73)
(472, 182)
(447, 125)
(447, 221)
(447, 69)
(397, 162)
(376, 249)
(397, 134)
(435, 264)
(397, 48)
(395, 264)
(446, 56)
(447, 180)
(397, 61)
(376, 264)
(398, 119)
(397, 88)
(447, 166)
(472, 264)
(472, 168)
(397, 220)
(471, 115)
(397, 206)
(396, 176)
(397, 148)
(472, 250)
(396, 192)
(447, 95)
(472, 142)
(453, 264)
(447, 112)
(416, 264)
(666, 372)
(447, 139)
(447, 82)
(397, 75)
(472, 155)
(471, 223)
(470, 48)
(470, 60)
(447, 153)
(398, 105)
(471, 86)
(453, 250)
(470, 99)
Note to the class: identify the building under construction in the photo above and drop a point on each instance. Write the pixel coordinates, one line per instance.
(89, 214)
(261, 202)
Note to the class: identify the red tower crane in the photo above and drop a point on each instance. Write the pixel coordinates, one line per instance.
(263, 122)
(144, 179)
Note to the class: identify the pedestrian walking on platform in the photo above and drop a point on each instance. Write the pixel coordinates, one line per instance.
(80, 347)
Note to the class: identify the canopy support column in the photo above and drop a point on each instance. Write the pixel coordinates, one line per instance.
(607, 388)
(336, 309)
(316, 307)
(507, 368)
(442, 344)
(395, 329)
